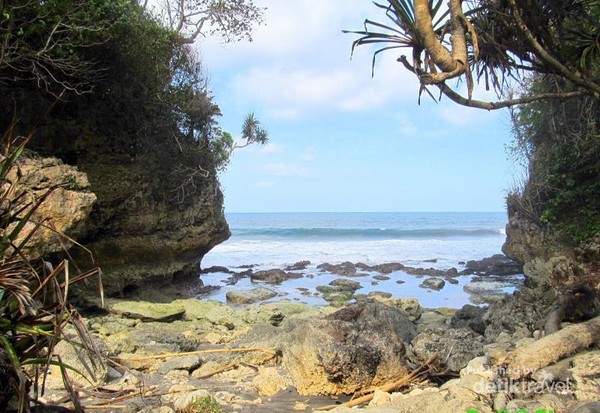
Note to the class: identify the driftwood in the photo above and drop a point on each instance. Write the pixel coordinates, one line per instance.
(189, 353)
(551, 348)
(417, 373)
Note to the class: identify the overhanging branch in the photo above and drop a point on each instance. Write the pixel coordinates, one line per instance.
(479, 104)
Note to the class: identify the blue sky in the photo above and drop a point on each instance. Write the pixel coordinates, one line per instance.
(341, 140)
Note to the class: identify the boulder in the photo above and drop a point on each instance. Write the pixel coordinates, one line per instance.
(298, 266)
(469, 316)
(344, 284)
(215, 268)
(498, 264)
(433, 283)
(250, 296)
(357, 347)
(456, 346)
(273, 276)
(347, 269)
(66, 208)
(388, 268)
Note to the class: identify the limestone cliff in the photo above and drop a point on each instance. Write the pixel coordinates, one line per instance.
(139, 238)
(136, 236)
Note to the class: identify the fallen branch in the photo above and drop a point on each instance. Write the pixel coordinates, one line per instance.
(551, 348)
(403, 382)
(191, 353)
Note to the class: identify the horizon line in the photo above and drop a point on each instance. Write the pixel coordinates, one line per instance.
(364, 212)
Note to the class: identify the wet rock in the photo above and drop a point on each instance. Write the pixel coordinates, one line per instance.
(450, 272)
(470, 316)
(336, 296)
(458, 346)
(388, 268)
(215, 268)
(347, 269)
(498, 264)
(273, 276)
(207, 289)
(233, 279)
(299, 266)
(433, 283)
(344, 284)
(381, 277)
(250, 296)
(356, 347)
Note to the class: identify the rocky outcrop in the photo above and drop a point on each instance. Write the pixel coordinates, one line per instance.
(66, 203)
(357, 347)
(273, 276)
(545, 259)
(497, 264)
(139, 232)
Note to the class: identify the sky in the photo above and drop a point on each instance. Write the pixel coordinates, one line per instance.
(341, 140)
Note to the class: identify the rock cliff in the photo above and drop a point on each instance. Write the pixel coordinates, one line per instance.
(548, 259)
(140, 234)
(136, 236)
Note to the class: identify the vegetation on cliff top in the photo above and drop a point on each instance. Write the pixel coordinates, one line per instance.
(543, 60)
(109, 76)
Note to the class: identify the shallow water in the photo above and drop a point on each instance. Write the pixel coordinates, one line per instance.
(303, 290)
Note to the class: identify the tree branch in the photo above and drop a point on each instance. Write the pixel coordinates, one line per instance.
(479, 104)
(573, 76)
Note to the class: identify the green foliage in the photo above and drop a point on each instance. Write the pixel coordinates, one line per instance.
(207, 404)
(562, 142)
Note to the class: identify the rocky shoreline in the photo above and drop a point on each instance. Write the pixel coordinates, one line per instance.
(285, 356)
(477, 282)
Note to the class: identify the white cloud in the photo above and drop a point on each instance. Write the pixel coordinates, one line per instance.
(263, 184)
(283, 170)
(299, 63)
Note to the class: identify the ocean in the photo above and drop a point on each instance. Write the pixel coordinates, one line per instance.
(278, 239)
(427, 240)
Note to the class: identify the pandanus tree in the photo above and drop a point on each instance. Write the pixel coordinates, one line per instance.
(495, 41)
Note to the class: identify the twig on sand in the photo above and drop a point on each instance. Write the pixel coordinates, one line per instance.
(424, 369)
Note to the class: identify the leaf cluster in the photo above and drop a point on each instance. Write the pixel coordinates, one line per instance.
(506, 41)
(562, 143)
